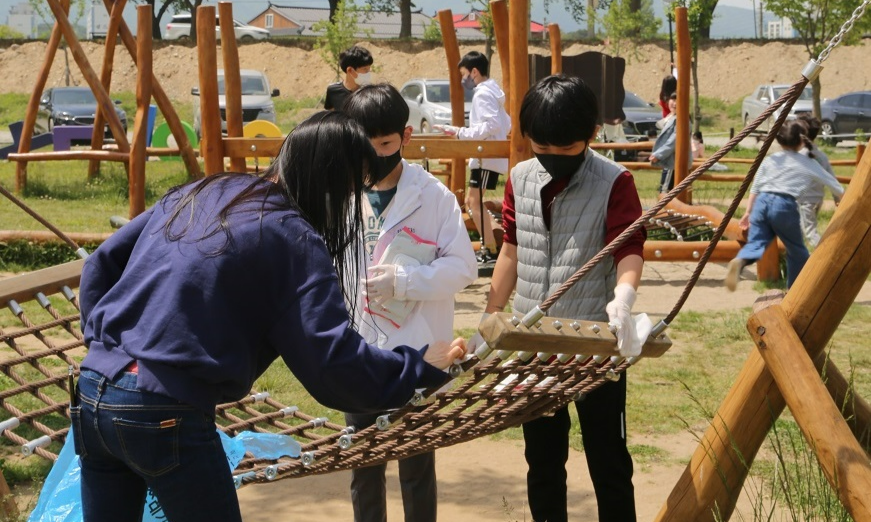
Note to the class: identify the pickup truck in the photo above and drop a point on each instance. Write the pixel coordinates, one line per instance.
(764, 95)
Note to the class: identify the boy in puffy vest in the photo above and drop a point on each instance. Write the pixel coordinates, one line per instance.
(560, 209)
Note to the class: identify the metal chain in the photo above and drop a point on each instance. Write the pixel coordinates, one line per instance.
(846, 28)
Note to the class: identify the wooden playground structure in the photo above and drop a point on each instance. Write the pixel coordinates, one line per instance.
(789, 334)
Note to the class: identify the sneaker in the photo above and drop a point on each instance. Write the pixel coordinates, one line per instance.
(733, 273)
(484, 257)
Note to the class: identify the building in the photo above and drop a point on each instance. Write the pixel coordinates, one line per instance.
(23, 19)
(289, 20)
(472, 20)
(780, 29)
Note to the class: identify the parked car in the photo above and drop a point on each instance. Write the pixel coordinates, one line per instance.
(256, 100)
(71, 106)
(844, 116)
(179, 28)
(641, 116)
(764, 95)
(429, 103)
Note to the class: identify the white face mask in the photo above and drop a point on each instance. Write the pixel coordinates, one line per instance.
(363, 78)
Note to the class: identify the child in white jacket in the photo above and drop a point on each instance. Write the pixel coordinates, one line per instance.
(418, 256)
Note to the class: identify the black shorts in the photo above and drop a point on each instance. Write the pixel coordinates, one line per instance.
(491, 177)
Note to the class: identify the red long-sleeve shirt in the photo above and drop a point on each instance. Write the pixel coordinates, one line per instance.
(623, 209)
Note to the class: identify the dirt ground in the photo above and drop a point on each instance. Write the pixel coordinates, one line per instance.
(727, 70)
(485, 480)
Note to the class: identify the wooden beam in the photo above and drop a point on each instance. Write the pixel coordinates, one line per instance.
(43, 236)
(816, 303)
(102, 155)
(232, 79)
(115, 18)
(556, 50)
(768, 266)
(90, 76)
(499, 14)
(682, 145)
(518, 16)
(24, 287)
(211, 146)
(457, 181)
(188, 155)
(670, 251)
(420, 148)
(30, 114)
(136, 184)
(842, 459)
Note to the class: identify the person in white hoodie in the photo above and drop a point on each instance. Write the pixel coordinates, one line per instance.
(417, 257)
(487, 121)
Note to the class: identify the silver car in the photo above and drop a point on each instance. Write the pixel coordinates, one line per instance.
(256, 100)
(429, 103)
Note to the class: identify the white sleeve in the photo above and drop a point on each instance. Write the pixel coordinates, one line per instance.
(453, 269)
(486, 107)
(828, 179)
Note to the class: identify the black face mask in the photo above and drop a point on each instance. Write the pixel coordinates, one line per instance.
(384, 166)
(560, 166)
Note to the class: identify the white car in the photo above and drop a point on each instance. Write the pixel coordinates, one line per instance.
(256, 100)
(429, 103)
(179, 28)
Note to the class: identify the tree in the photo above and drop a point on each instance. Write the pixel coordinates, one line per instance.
(481, 8)
(625, 25)
(816, 22)
(8, 33)
(158, 12)
(390, 6)
(337, 34)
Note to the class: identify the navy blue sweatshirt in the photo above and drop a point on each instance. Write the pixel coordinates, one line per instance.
(203, 326)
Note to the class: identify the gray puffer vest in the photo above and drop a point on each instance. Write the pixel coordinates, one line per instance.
(546, 259)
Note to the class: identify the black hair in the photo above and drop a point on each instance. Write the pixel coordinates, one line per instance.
(669, 87)
(673, 96)
(320, 171)
(698, 135)
(559, 110)
(355, 57)
(793, 134)
(379, 108)
(475, 60)
(813, 125)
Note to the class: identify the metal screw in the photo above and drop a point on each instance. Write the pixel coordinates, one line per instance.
(422, 148)
(595, 328)
(480, 148)
(558, 325)
(576, 326)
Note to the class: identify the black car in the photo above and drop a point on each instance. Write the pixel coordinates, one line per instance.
(844, 116)
(71, 106)
(641, 117)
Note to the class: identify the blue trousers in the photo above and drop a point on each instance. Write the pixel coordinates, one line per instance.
(602, 414)
(776, 215)
(130, 440)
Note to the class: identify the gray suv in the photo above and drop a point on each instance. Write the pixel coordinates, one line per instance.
(429, 103)
(256, 100)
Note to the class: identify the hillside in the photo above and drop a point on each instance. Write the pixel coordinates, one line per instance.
(728, 71)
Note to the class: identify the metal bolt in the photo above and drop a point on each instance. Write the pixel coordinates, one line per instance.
(271, 472)
(308, 458)
(695, 254)
(657, 253)
(595, 328)
(253, 148)
(480, 148)
(383, 422)
(515, 320)
(612, 376)
(760, 330)
(558, 325)
(576, 326)
(345, 441)
(422, 148)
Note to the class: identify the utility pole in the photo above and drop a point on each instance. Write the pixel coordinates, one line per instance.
(761, 11)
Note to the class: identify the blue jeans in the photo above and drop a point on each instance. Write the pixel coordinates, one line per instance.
(130, 440)
(776, 215)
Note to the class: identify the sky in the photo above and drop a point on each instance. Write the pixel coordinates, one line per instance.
(731, 24)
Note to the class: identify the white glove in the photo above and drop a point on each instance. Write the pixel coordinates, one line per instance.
(379, 282)
(476, 340)
(450, 130)
(620, 318)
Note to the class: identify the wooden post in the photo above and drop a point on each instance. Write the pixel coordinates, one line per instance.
(860, 150)
(452, 53)
(556, 49)
(682, 146)
(499, 13)
(768, 266)
(211, 147)
(232, 79)
(33, 105)
(103, 101)
(519, 36)
(138, 153)
(840, 456)
(115, 18)
(816, 303)
(164, 104)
